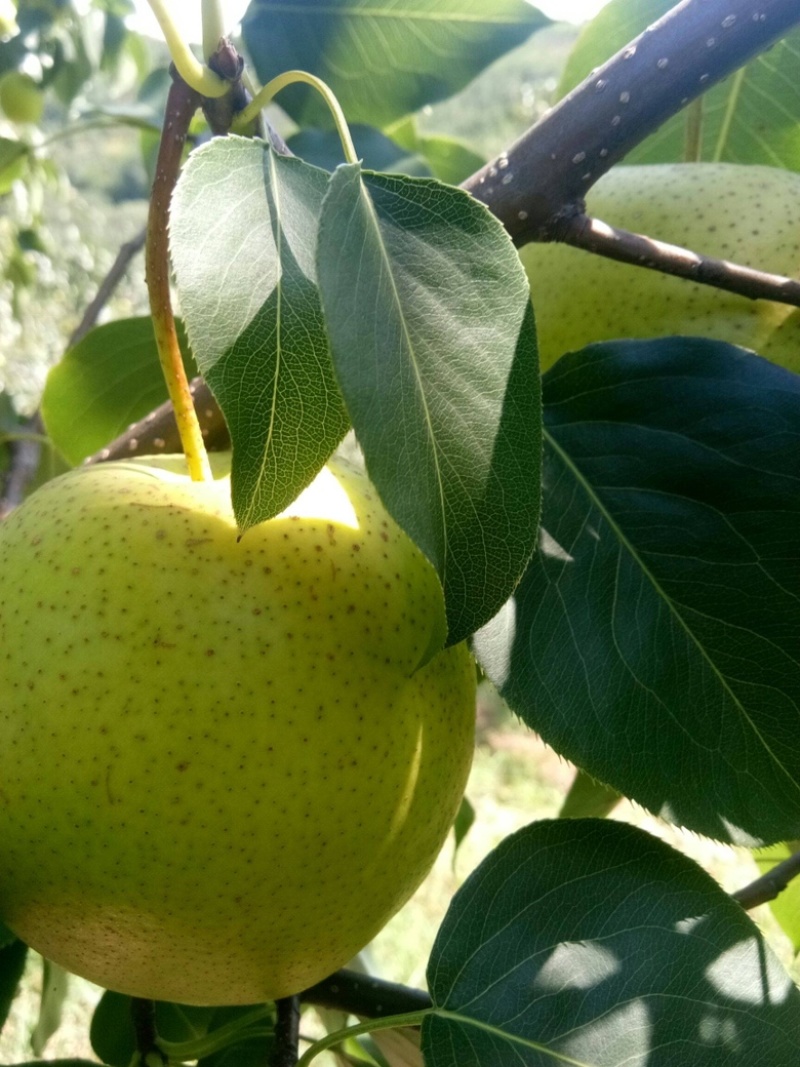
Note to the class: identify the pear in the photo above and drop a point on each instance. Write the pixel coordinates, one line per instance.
(747, 214)
(21, 99)
(225, 762)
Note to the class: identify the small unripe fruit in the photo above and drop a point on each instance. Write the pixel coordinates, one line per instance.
(21, 99)
(223, 767)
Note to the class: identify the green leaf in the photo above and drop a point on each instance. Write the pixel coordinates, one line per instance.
(243, 239)
(377, 151)
(104, 383)
(655, 637)
(433, 341)
(449, 160)
(381, 60)
(248, 1052)
(591, 943)
(463, 824)
(60, 1063)
(786, 906)
(12, 964)
(112, 1035)
(588, 799)
(751, 117)
(6, 936)
(13, 155)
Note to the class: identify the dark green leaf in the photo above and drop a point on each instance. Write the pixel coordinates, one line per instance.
(249, 1052)
(243, 238)
(432, 334)
(751, 117)
(463, 823)
(107, 381)
(588, 799)
(655, 637)
(60, 1063)
(381, 60)
(12, 964)
(591, 943)
(112, 1034)
(6, 936)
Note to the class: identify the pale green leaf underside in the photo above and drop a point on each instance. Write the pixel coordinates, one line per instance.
(243, 240)
(433, 342)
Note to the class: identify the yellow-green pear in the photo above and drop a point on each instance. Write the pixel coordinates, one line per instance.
(224, 763)
(747, 214)
(21, 99)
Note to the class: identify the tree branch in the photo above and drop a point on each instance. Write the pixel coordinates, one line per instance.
(106, 288)
(361, 994)
(287, 1033)
(769, 885)
(542, 178)
(158, 431)
(592, 235)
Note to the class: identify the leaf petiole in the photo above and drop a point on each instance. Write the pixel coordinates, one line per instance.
(200, 77)
(389, 1022)
(291, 77)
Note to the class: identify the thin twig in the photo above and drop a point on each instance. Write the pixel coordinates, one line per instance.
(107, 286)
(143, 1017)
(769, 885)
(287, 1033)
(364, 995)
(591, 234)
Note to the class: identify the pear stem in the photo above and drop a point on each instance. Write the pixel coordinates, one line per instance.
(182, 102)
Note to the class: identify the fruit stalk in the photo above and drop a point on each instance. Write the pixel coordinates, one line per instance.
(287, 1033)
(182, 102)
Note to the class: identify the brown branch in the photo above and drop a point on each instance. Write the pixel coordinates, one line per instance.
(364, 995)
(592, 235)
(769, 885)
(158, 431)
(543, 178)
